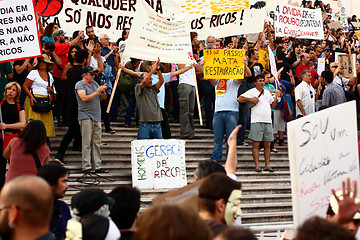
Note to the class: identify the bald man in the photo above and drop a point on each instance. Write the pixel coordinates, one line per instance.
(25, 209)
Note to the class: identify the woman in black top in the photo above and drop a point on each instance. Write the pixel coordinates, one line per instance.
(13, 119)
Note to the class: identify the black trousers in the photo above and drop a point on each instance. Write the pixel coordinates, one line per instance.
(73, 132)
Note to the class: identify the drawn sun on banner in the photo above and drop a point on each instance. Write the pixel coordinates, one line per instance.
(203, 7)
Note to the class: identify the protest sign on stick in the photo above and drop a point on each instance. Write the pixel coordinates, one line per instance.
(298, 22)
(273, 64)
(224, 63)
(343, 20)
(19, 36)
(116, 83)
(158, 163)
(321, 65)
(153, 36)
(323, 152)
(348, 62)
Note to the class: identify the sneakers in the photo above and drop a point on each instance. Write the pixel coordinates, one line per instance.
(111, 131)
(244, 144)
(60, 161)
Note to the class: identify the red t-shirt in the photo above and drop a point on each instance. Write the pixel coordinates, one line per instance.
(23, 163)
(302, 67)
(62, 50)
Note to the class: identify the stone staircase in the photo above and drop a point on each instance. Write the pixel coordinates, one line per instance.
(266, 196)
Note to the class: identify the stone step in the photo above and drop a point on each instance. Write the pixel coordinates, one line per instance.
(266, 196)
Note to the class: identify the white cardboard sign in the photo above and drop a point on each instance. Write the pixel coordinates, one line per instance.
(323, 152)
(19, 37)
(153, 36)
(298, 22)
(158, 163)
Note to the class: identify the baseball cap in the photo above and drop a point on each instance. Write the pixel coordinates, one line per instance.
(58, 32)
(88, 69)
(90, 200)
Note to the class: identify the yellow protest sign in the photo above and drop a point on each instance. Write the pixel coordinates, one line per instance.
(224, 63)
(358, 34)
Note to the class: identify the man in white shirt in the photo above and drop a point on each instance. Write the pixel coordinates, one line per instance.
(305, 95)
(260, 126)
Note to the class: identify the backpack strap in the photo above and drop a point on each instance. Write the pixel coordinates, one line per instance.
(37, 160)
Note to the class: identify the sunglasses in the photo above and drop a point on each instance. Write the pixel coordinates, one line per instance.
(311, 94)
(334, 66)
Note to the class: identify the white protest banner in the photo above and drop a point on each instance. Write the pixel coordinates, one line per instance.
(157, 37)
(323, 152)
(298, 22)
(273, 64)
(343, 20)
(158, 163)
(19, 37)
(222, 18)
(225, 17)
(321, 65)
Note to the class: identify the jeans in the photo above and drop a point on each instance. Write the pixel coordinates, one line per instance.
(149, 131)
(130, 109)
(223, 122)
(187, 104)
(209, 101)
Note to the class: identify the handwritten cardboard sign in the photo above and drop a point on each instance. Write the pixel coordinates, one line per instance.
(156, 37)
(356, 24)
(348, 62)
(224, 63)
(323, 152)
(343, 20)
(273, 67)
(335, 25)
(158, 163)
(298, 22)
(19, 37)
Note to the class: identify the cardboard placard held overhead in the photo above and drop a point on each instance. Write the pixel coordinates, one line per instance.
(323, 152)
(224, 63)
(19, 36)
(155, 36)
(348, 62)
(356, 24)
(335, 25)
(158, 163)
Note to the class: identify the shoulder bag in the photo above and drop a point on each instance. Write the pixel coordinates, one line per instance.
(42, 104)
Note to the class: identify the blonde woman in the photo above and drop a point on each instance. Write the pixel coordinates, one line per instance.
(13, 119)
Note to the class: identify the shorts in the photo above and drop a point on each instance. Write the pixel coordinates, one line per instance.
(261, 132)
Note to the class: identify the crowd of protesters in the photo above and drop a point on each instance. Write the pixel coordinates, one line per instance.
(70, 85)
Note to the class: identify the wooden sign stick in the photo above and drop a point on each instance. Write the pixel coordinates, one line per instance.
(197, 97)
(115, 85)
